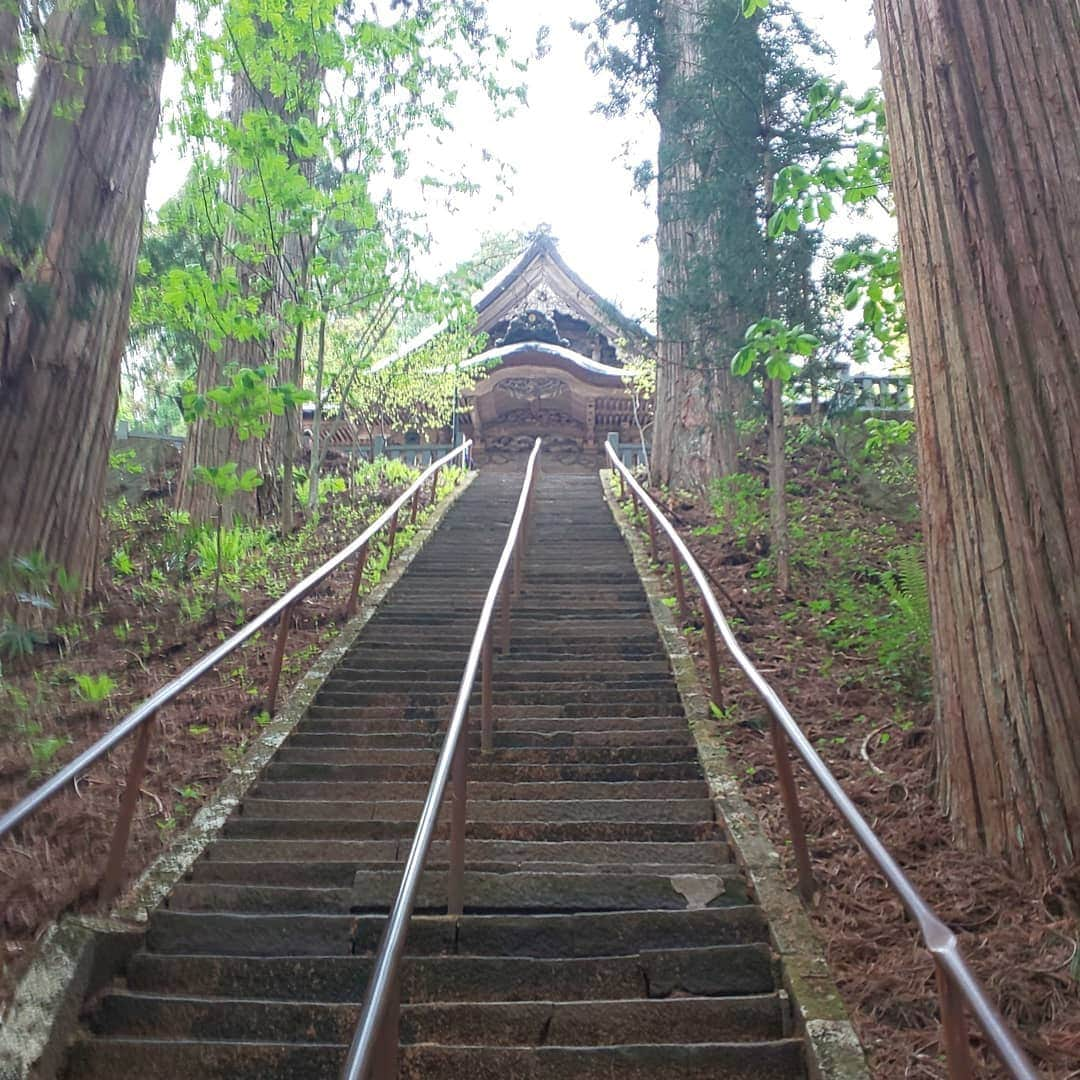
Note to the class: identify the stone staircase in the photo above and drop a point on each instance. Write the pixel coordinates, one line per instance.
(606, 932)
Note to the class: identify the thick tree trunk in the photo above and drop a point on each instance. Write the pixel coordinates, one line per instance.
(83, 156)
(984, 117)
(701, 323)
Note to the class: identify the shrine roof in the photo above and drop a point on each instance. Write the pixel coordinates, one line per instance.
(523, 349)
(540, 268)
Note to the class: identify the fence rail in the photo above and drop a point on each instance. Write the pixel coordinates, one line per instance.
(373, 1054)
(957, 985)
(140, 721)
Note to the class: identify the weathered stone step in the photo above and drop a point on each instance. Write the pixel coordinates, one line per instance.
(426, 724)
(599, 854)
(542, 936)
(480, 770)
(539, 673)
(438, 707)
(640, 811)
(302, 781)
(545, 754)
(714, 971)
(243, 826)
(585, 695)
(360, 720)
(329, 872)
(509, 744)
(107, 1059)
(613, 683)
(528, 1023)
(278, 887)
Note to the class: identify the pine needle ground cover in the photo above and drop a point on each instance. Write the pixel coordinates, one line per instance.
(153, 615)
(849, 650)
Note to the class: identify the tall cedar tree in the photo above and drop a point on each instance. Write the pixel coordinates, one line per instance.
(83, 155)
(730, 95)
(983, 108)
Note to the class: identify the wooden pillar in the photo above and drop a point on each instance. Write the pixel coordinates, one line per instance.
(590, 423)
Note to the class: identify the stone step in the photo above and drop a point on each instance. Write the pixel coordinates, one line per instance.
(745, 1018)
(639, 811)
(543, 936)
(479, 771)
(435, 707)
(335, 888)
(107, 1059)
(546, 754)
(427, 725)
(337, 782)
(714, 971)
(311, 828)
(597, 854)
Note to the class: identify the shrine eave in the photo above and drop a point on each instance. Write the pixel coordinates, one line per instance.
(540, 352)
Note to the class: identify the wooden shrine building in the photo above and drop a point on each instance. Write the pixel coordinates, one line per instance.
(552, 363)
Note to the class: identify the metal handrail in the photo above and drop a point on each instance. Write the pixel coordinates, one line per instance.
(374, 1048)
(140, 719)
(957, 985)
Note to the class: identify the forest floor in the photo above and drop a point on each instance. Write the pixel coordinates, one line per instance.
(152, 616)
(848, 649)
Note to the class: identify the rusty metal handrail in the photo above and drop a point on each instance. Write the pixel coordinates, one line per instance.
(374, 1049)
(957, 985)
(140, 720)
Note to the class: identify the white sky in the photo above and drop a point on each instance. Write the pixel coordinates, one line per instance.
(569, 165)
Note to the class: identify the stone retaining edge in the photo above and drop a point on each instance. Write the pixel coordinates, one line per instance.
(79, 954)
(833, 1048)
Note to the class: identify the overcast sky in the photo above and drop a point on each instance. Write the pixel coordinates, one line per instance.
(570, 165)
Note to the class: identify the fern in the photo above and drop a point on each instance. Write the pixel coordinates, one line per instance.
(909, 593)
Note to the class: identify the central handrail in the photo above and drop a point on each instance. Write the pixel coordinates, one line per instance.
(375, 1042)
(957, 985)
(140, 718)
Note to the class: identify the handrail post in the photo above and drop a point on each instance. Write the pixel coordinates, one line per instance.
(714, 659)
(114, 867)
(358, 576)
(415, 507)
(504, 617)
(487, 735)
(434, 486)
(279, 657)
(385, 1065)
(680, 587)
(652, 538)
(455, 875)
(789, 793)
(954, 1031)
(391, 539)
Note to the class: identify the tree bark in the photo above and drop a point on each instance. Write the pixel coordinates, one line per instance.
(84, 153)
(701, 323)
(281, 277)
(983, 105)
(206, 444)
(9, 135)
(778, 515)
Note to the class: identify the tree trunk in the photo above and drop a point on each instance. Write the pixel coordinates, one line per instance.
(778, 516)
(206, 444)
(84, 153)
(315, 468)
(700, 313)
(983, 108)
(9, 135)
